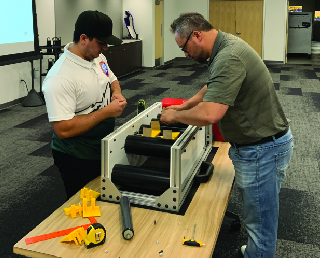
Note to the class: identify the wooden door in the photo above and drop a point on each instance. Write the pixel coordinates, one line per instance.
(241, 18)
(249, 23)
(222, 15)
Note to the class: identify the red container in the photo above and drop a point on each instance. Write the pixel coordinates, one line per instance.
(171, 101)
(216, 133)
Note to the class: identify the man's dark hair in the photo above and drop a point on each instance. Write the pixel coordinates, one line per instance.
(188, 22)
(76, 37)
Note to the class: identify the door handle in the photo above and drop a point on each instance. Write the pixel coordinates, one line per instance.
(237, 32)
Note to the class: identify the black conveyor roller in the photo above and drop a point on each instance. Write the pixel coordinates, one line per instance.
(127, 232)
(146, 178)
(147, 146)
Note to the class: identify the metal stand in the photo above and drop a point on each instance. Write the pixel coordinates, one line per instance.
(33, 99)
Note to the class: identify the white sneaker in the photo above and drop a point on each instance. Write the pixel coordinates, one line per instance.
(243, 248)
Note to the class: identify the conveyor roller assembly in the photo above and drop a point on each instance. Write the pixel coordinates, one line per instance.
(152, 172)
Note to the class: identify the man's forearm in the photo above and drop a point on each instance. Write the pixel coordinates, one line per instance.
(115, 87)
(83, 123)
(204, 113)
(195, 100)
(196, 115)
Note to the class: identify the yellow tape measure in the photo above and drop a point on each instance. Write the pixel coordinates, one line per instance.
(96, 235)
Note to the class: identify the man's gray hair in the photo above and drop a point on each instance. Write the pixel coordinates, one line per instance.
(188, 22)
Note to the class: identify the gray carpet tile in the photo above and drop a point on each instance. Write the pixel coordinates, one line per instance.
(26, 207)
(44, 151)
(160, 75)
(292, 249)
(276, 86)
(31, 187)
(133, 84)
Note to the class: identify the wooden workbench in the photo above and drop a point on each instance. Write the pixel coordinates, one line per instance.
(207, 210)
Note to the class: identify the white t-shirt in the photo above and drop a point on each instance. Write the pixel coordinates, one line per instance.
(74, 86)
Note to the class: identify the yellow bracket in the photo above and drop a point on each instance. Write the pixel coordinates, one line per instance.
(88, 193)
(73, 210)
(168, 134)
(91, 211)
(77, 236)
(148, 132)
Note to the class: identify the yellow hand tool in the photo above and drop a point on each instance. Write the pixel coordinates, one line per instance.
(96, 235)
(191, 241)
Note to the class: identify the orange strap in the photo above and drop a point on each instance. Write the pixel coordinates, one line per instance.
(92, 220)
(65, 232)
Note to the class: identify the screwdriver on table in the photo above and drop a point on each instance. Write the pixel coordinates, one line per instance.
(191, 241)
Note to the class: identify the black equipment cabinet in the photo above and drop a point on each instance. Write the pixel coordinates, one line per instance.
(126, 58)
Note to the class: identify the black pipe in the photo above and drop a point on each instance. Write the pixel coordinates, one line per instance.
(145, 178)
(147, 146)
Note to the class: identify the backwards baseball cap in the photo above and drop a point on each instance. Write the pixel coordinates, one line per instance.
(96, 24)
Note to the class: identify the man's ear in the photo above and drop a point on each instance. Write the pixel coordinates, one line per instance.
(198, 35)
(83, 39)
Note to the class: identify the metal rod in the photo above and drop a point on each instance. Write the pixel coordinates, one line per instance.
(194, 229)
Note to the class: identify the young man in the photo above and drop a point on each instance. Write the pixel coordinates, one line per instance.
(83, 97)
(240, 97)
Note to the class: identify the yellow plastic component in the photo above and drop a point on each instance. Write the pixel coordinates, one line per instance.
(175, 135)
(73, 210)
(88, 193)
(77, 236)
(168, 134)
(91, 211)
(148, 132)
(155, 133)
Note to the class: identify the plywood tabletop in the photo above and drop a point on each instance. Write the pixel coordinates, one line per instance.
(206, 209)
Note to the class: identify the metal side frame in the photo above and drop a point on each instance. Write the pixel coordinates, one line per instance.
(187, 154)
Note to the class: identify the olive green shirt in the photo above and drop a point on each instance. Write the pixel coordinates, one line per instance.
(239, 78)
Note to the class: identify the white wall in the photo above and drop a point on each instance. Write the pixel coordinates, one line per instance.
(201, 6)
(170, 13)
(11, 88)
(67, 12)
(274, 31)
(114, 11)
(143, 12)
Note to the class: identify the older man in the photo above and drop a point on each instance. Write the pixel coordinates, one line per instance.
(240, 97)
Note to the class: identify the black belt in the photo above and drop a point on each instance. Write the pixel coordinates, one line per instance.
(263, 140)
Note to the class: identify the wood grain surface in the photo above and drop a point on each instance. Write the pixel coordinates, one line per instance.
(207, 210)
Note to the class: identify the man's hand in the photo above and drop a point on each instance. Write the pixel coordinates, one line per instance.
(175, 107)
(117, 96)
(168, 116)
(116, 106)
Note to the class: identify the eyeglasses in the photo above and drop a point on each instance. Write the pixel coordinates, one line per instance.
(185, 44)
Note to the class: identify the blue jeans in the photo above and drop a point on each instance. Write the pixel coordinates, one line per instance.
(259, 172)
